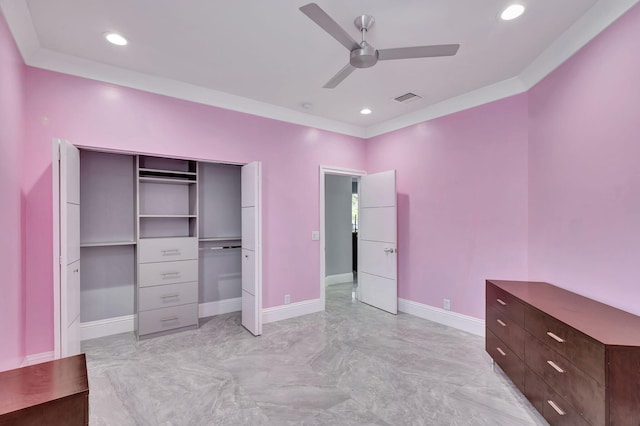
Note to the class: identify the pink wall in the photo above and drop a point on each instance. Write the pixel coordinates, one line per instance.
(584, 172)
(11, 137)
(462, 202)
(102, 115)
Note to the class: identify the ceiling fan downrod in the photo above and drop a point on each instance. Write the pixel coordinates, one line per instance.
(366, 56)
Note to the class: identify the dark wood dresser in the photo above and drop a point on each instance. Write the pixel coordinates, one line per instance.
(575, 359)
(51, 393)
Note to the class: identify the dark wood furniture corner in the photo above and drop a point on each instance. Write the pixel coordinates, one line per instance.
(51, 393)
(575, 359)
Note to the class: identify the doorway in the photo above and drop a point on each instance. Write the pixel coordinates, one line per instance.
(338, 240)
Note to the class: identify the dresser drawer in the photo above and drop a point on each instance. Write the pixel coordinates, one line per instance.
(168, 272)
(512, 366)
(505, 303)
(161, 296)
(506, 330)
(552, 406)
(165, 319)
(167, 249)
(587, 355)
(577, 388)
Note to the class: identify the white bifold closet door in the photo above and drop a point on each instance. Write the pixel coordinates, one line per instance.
(377, 235)
(69, 193)
(252, 248)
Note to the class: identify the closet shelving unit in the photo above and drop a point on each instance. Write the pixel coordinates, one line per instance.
(167, 296)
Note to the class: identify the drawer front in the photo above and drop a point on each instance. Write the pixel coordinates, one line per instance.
(587, 355)
(512, 366)
(168, 272)
(548, 403)
(165, 319)
(167, 249)
(161, 296)
(577, 388)
(506, 330)
(505, 303)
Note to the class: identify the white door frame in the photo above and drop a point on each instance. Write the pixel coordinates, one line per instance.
(329, 170)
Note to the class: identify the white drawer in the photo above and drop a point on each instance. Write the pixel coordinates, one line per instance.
(165, 319)
(168, 272)
(162, 296)
(167, 249)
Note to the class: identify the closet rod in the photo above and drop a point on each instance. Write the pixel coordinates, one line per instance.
(220, 248)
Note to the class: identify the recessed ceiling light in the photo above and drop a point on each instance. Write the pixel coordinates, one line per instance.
(512, 12)
(365, 111)
(115, 38)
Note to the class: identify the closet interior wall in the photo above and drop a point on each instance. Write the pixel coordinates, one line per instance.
(111, 229)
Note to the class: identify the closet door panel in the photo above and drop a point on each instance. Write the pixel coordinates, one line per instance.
(248, 271)
(73, 241)
(73, 293)
(248, 228)
(249, 310)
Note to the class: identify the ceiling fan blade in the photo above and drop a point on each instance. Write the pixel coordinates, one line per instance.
(321, 18)
(418, 52)
(341, 75)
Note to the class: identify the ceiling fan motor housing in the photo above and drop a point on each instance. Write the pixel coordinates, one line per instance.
(364, 57)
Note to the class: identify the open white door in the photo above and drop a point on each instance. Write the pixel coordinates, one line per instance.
(69, 203)
(377, 241)
(252, 248)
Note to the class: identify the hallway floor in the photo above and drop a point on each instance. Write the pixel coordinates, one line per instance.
(350, 365)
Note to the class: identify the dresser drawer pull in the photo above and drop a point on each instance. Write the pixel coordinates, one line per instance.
(169, 319)
(501, 352)
(170, 252)
(553, 405)
(502, 302)
(170, 275)
(555, 366)
(170, 296)
(502, 323)
(555, 337)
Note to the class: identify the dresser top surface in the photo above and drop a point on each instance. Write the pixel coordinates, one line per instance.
(604, 323)
(37, 384)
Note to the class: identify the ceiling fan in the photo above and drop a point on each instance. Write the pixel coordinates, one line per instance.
(363, 55)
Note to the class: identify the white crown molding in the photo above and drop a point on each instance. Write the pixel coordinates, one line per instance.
(283, 312)
(592, 23)
(452, 319)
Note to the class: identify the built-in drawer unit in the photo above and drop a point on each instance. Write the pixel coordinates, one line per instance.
(165, 319)
(162, 296)
(580, 359)
(167, 249)
(168, 272)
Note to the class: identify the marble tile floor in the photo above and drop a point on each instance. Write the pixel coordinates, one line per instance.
(350, 365)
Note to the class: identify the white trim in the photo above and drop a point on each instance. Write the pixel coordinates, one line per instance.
(592, 23)
(107, 327)
(219, 307)
(38, 358)
(55, 178)
(328, 170)
(338, 278)
(283, 312)
(452, 319)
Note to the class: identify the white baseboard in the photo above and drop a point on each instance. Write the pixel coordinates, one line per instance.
(106, 327)
(452, 319)
(219, 307)
(38, 358)
(283, 312)
(338, 278)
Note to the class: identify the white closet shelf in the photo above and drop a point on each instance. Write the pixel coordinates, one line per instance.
(176, 172)
(204, 240)
(169, 216)
(171, 181)
(109, 243)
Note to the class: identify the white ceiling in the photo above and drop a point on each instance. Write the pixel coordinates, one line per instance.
(267, 58)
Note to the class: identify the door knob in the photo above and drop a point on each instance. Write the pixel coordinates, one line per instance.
(389, 250)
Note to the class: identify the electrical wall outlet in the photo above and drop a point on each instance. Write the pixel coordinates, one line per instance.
(447, 304)
(287, 299)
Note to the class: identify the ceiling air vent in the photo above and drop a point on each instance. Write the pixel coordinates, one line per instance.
(407, 97)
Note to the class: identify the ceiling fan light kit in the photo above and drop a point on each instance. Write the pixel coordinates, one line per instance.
(363, 55)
